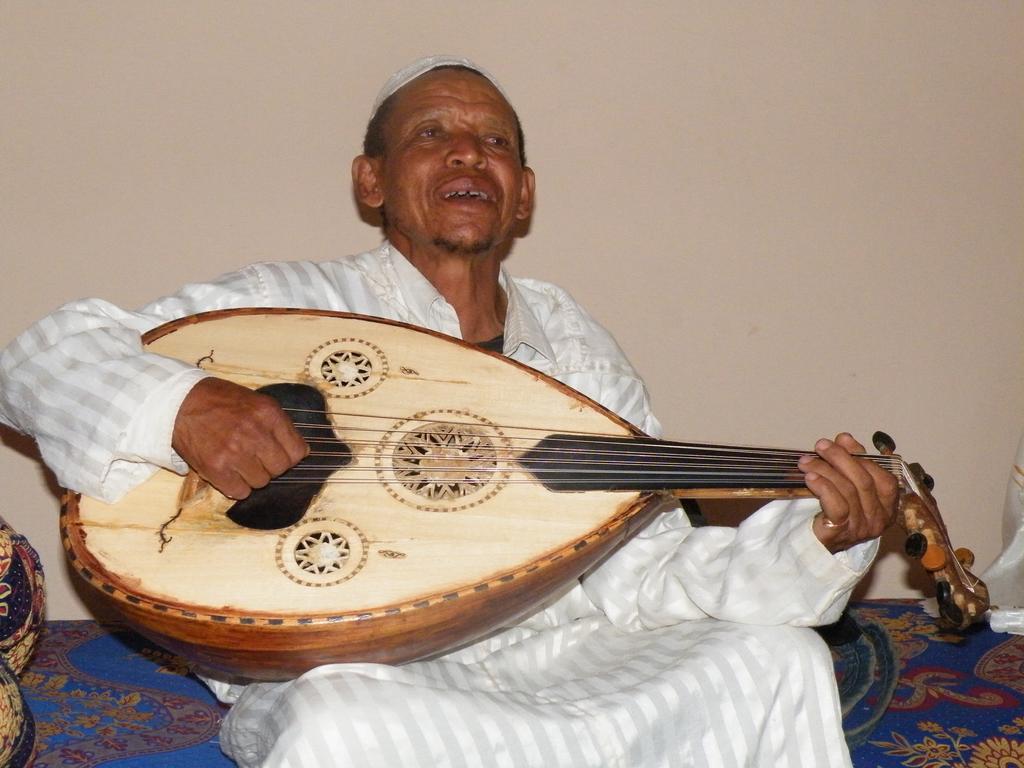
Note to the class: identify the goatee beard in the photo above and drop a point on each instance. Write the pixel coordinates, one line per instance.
(473, 248)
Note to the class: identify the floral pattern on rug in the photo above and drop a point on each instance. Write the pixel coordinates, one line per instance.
(134, 701)
(957, 702)
(913, 695)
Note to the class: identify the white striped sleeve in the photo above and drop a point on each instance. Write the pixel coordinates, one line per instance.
(769, 570)
(78, 378)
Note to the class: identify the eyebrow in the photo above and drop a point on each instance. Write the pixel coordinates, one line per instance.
(439, 111)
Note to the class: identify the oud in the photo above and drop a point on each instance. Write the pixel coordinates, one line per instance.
(447, 493)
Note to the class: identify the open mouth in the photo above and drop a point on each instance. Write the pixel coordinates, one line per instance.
(470, 189)
(467, 194)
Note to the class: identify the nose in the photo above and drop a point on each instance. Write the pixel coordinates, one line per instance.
(465, 150)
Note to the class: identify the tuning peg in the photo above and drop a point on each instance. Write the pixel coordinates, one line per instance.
(964, 556)
(883, 443)
(923, 477)
(948, 608)
(915, 545)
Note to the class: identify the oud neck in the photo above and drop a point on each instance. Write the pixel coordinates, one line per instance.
(571, 462)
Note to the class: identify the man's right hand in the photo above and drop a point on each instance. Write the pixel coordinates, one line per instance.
(236, 439)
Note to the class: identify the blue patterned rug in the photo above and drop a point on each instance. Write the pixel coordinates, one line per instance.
(105, 696)
(957, 701)
(912, 696)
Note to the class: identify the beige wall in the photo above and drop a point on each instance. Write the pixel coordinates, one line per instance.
(796, 217)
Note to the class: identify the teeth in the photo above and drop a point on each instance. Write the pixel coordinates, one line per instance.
(467, 194)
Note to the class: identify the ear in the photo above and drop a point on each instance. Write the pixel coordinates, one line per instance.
(526, 190)
(366, 181)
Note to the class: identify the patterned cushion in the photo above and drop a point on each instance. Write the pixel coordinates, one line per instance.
(21, 616)
(17, 726)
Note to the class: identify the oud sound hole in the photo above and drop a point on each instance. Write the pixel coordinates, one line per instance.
(350, 367)
(346, 369)
(322, 552)
(445, 461)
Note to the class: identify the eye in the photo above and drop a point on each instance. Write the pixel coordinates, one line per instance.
(498, 141)
(429, 132)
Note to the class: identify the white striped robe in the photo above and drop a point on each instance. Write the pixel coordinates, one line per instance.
(1005, 576)
(685, 648)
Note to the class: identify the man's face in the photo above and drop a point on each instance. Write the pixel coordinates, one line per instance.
(450, 177)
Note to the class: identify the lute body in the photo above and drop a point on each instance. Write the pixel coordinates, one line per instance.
(449, 491)
(429, 536)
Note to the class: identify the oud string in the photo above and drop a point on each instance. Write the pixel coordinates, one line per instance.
(696, 464)
(601, 457)
(584, 454)
(581, 441)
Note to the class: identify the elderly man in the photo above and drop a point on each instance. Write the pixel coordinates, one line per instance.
(684, 648)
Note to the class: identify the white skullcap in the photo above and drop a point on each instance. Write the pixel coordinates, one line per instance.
(419, 67)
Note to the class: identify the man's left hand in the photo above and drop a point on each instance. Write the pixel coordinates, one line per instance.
(858, 497)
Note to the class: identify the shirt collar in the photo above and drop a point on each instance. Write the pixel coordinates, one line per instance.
(521, 326)
(418, 293)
